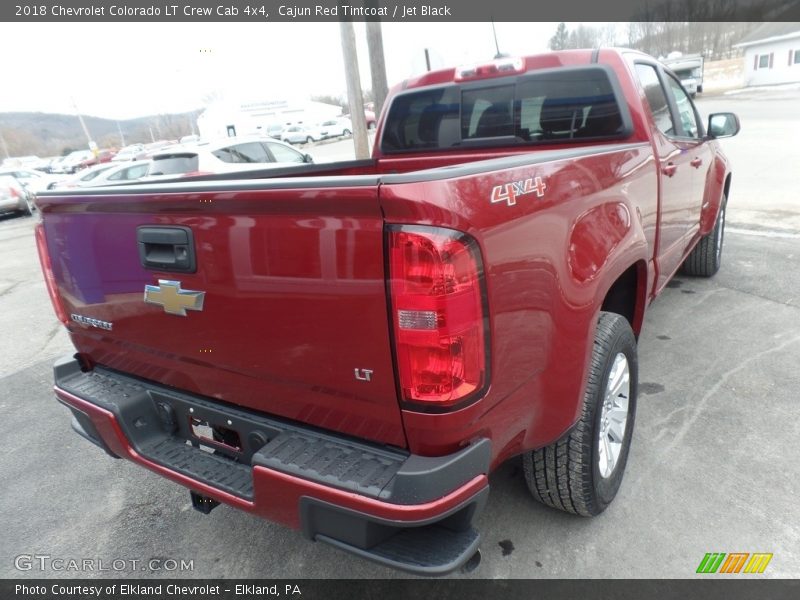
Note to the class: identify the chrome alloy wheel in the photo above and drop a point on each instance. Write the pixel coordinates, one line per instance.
(614, 415)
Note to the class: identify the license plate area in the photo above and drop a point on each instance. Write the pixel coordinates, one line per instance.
(212, 428)
(211, 437)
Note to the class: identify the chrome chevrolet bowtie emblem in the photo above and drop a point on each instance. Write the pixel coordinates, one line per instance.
(174, 300)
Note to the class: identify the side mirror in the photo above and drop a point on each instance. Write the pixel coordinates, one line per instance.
(308, 159)
(722, 125)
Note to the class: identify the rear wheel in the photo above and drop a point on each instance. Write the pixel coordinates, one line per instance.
(705, 259)
(582, 472)
(309, 139)
(346, 132)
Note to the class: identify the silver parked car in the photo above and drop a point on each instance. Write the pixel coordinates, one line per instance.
(14, 197)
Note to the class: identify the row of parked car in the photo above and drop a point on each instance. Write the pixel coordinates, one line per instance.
(138, 163)
(161, 160)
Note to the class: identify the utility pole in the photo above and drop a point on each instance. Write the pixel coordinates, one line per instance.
(92, 145)
(377, 64)
(5, 146)
(121, 137)
(355, 97)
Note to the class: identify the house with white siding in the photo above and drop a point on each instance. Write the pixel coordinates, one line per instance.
(772, 54)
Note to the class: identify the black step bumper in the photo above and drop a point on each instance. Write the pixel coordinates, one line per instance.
(409, 512)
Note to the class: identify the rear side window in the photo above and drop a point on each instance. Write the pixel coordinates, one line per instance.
(284, 154)
(250, 152)
(174, 164)
(134, 172)
(555, 105)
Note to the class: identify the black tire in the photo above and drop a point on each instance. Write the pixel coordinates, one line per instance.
(567, 474)
(346, 132)
(705, 259)
(309, 139)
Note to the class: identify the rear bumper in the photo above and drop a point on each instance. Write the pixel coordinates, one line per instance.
(405, 511)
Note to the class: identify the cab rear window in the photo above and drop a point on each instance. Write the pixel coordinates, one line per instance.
(549, 106)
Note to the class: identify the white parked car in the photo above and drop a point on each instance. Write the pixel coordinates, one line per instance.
(33, 181)
(81, 178)
(121, 173)
(225, 156)
(301, 134)
(335, 128)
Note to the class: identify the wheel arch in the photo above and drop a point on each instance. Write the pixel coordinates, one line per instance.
(627, 295)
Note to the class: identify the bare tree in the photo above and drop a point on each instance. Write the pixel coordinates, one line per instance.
(583, 37)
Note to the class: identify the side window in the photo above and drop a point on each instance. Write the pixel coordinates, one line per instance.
(251, 152)
(686, 112)
(656, 98)
(135, 172)
(284, 154)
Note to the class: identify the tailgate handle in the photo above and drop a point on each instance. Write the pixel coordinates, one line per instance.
(166, 248)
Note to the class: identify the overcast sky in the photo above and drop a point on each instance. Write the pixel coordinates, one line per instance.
(123, 70)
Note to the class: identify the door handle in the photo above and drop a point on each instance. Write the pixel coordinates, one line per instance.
(166, 249)
(696, 162)
(669, 169)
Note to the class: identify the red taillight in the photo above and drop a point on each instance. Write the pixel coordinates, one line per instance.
(49, 278)
(439, 315)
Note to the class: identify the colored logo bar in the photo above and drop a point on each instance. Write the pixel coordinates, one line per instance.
(735, 562)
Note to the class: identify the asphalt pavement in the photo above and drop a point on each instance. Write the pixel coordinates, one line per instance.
(713, 465)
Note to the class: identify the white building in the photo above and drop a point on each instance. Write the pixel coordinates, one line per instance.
(225, 118)
(772, 54)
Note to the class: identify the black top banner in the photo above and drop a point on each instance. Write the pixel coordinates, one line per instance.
(398, 11)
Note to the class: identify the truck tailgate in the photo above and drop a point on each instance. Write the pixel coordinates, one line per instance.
(293, 321)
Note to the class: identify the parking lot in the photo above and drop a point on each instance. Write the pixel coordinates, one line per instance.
(712, 468)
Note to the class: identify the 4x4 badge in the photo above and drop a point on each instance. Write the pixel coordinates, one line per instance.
(509, 192)
(174, 300)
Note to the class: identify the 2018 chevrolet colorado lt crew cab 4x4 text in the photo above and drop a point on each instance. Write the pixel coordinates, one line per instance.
(350, 349)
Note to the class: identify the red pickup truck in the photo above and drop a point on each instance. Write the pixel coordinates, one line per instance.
(350, 349)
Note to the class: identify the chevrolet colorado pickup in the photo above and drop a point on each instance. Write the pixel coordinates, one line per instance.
(350, 349)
